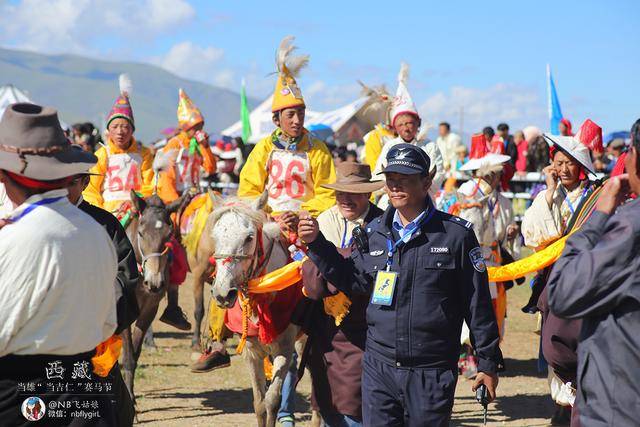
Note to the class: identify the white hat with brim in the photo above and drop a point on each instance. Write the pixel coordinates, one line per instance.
(33, 145)
(573, 148)
(490, 159)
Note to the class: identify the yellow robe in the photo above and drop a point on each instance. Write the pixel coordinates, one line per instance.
(93, 193)
(254, 174)
(373, 143)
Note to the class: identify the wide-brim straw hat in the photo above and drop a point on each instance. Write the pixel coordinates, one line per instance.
(353, 177)
(33, 145)
(574, 148)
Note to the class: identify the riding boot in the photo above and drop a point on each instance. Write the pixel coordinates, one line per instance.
(173, 314)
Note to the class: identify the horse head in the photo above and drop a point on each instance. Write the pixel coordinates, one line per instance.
(243, 241)
(151, 240)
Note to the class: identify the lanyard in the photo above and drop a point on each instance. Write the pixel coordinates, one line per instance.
(32, 206)
(344, 243)
(566, 199)
(393, 247)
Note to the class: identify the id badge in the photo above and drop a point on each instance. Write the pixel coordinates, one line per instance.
(384, 288)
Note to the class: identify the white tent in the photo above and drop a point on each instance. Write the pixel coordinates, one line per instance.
(10, 94)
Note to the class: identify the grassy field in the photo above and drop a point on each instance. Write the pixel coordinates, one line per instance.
(170, 395)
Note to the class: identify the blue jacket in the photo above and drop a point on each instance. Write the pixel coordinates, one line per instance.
(440, 282)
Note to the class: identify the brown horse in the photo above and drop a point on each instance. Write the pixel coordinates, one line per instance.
(149, 232)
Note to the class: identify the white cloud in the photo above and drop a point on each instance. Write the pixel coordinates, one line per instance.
(320, 96)
(189, 60)
(516, 105)
(70, 25)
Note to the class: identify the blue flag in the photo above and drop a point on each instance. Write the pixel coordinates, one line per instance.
(555, 114)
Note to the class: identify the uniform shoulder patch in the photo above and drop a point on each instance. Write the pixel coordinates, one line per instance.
(477, 260)
(457, 220)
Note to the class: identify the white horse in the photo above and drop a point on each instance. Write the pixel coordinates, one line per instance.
(236, 230)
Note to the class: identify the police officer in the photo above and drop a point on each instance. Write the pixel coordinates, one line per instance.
(425, 272)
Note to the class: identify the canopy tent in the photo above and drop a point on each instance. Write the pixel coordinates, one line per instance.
(9, 94)
(349, 123)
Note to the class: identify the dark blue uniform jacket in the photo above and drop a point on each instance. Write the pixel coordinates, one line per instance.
(441, 281)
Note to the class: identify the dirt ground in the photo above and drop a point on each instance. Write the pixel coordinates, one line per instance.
(170, 395)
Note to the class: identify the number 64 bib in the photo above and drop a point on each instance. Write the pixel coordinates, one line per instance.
(289, 182)
(123, 175)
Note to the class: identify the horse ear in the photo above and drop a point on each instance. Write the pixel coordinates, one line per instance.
(179, 203)
(260, 203)
(138, 202)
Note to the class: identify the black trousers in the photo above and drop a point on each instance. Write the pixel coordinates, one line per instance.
(68, 401)
(399, 396)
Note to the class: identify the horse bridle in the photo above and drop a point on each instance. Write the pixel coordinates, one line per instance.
(145, 258)
(260, 260)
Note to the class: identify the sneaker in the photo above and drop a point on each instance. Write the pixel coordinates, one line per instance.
(210, 360)
(175, 317)
(287, 421)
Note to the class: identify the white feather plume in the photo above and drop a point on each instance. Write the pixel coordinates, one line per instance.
(164, 160)
(126, 84)
(403, 75)
(285, 57)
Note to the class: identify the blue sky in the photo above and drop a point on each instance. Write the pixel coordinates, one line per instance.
(488, 57)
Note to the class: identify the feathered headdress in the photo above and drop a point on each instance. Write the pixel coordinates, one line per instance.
(122, 107)
(378, 102)
(287, 94)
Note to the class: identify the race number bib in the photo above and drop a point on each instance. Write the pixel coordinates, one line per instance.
(187, 170)
(123, 175)
(289, 182)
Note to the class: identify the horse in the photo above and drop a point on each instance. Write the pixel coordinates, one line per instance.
(149, 232)
(248, 245)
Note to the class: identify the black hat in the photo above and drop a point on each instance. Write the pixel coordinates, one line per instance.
(407, 159)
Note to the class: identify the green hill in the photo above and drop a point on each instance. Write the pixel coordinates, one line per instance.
(84, 89)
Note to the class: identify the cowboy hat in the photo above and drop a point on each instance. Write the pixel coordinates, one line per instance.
(572, 147)
(352, 177)
(33, 145)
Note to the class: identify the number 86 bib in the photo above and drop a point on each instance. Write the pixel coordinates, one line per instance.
(289, 182)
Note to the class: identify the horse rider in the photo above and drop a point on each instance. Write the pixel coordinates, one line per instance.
(545, 221)
(337, 329)
(125, 165)
(406, 122)
(425, 271)
(59, 267)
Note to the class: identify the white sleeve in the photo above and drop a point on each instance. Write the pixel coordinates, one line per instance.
(432, 150)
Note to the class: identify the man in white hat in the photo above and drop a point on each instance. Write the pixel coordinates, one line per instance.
(406, 122)
(54, 310)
